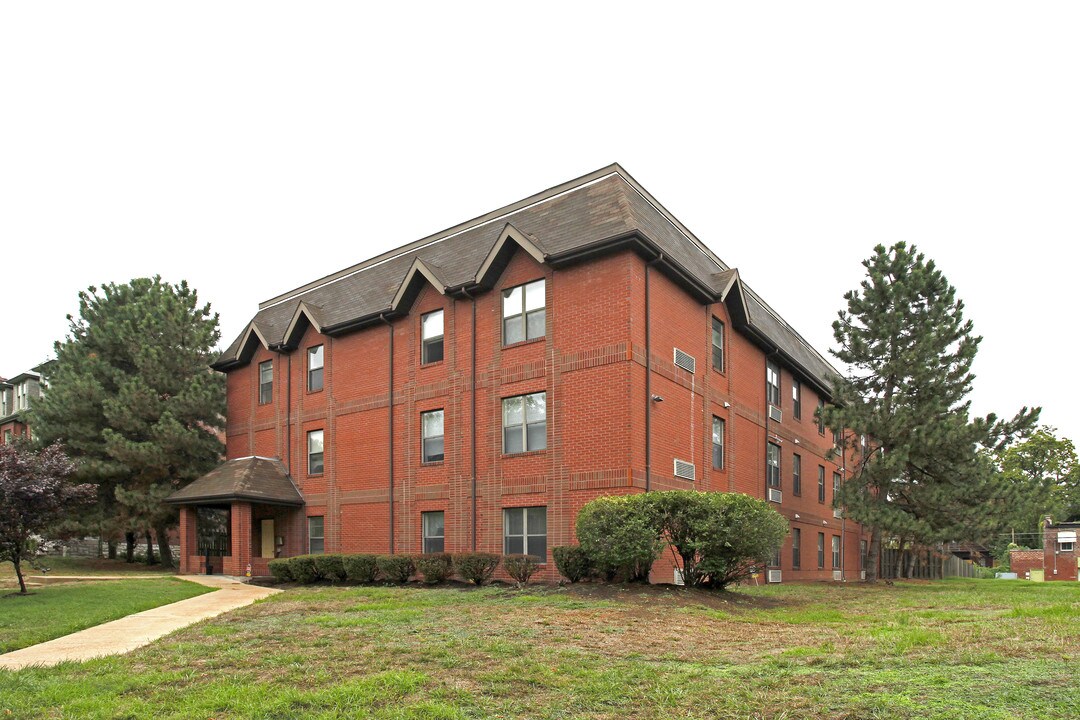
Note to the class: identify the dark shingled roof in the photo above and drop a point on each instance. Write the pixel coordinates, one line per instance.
(604, 209)
(251, 479)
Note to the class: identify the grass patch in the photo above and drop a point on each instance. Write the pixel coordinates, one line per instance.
(937, 650)
(81, 566)
(51, 611)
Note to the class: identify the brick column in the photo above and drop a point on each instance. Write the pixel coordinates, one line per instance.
(187, 540)
(237, 563)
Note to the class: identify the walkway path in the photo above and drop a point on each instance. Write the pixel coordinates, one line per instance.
(134, 631)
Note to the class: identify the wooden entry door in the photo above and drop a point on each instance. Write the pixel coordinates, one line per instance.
(267, 532)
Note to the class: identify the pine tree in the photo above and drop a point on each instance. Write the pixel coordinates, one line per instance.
(909, 352)
(133, 399)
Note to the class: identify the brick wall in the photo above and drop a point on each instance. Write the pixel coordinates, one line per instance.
(592, 366)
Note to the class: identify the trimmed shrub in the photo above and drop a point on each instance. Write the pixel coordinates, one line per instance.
(476, 567)
(330, 567)
(520, 567)
(303, 569)
(360, 568)
(279, 568)
(619, 537)
(396, 568)
(720, 538)
(434, 567)
(572, 562)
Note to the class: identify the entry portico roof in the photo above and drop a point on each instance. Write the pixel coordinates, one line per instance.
(249, 479)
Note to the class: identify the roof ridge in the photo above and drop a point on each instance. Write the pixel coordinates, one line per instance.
(772, 311)
(494, 215)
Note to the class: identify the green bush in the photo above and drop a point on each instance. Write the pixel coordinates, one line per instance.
(520, 567)
(303, 569)
(330, 567)
(719, 537)
(396, 568)
(618, 537)
(476, 567)
(360, 568)
(279, 568)
(572, 562)
(434, 567)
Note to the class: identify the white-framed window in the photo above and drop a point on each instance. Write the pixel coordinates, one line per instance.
(821, 551)
(796, 399)
(524, 312)
(525, 531)
(315, 452)
(315, 368)
(431, 427)
(772, 459)
(1066, 546)
(821, 417)
(772, 383)
(836, 552)
(266, 382)
(434, 531)
(821, 483)
(316, 536)
(796, 542)
(718, 427)
(431, 337)
(717, 344)
(835, 487)
(524, 423)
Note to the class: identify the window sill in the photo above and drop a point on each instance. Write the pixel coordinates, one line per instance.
(431, 364)
(526, 453)
(431, 463)
(318, 474)
(314, 392)
(720, 372)
(525, 342)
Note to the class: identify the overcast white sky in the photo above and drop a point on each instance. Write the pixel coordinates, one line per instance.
(252, 147)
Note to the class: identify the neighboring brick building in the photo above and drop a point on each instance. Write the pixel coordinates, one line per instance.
(514, 349)
(1059, 558)
(16, 397)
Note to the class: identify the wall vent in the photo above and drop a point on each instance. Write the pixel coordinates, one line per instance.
(684, 469)
(775, 495)
(838, 513)
(773, 576)
(837, 575)
(685, 360)
(775, 414)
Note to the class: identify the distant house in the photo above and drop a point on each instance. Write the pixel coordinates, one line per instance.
(1058, 559)
(16, 397)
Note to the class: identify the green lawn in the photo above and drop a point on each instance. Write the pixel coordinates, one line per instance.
(953, 649)
(51, 611)
(79, 566)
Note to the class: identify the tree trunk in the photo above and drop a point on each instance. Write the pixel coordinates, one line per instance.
(112, 549)
(873, 556)
(911, 565)
(129, 538)
(18, 573)
(149, 548)
(164, 551)
(898, 571)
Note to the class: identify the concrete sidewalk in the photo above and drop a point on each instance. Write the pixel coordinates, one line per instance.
(134, 631)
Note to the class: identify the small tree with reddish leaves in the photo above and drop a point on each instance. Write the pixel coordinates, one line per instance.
(34, 495)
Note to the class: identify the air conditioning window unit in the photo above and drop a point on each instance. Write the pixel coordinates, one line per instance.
(685, 360)
(773, 576)
(775, 495)
(684, 469)
(776, 414)
(837, 575)
(837, 513)
(679, 579)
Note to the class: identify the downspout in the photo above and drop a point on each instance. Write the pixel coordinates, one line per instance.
(648, 377)
(472, 392)
(390, 422)
(843, 519)
(773, 354)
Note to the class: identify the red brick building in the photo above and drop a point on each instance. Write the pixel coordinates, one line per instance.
(1058, 559)
(475, 388)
